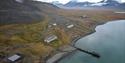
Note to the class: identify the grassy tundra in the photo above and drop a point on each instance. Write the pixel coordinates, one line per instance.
(28, 39)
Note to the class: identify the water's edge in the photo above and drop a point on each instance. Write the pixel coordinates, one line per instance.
(76, 39)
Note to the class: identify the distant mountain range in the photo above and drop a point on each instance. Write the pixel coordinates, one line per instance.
(103, 3)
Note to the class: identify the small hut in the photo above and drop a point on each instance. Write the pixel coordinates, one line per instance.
(50, 38)
(70, 26)
(14, 58)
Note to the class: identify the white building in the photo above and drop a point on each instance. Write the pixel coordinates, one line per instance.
(70, 26)
(54, 24)
(19, 1)
(50, 38)
(14, 58)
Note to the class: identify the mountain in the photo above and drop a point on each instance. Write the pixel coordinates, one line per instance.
(23, 11)
(77, 4)
(111, 3)
(57, 3)
(122, 5)
(103, 4)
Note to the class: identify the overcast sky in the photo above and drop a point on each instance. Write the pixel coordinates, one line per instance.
(65, 1)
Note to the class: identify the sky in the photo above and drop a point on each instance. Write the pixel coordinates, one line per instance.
(65, 1)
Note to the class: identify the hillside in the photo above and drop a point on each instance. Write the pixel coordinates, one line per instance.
(12, 11)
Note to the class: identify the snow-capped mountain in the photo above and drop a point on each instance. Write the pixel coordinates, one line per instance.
(77, 4)
(106, 3)
(57, 3)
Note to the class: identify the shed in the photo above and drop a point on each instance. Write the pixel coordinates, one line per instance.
(19, 1)
(70, 26)
(14, 58)
(54, 24)
(50, 38)
(84, 16)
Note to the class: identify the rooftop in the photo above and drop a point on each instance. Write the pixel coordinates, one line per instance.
(50, 38)
(14, 58)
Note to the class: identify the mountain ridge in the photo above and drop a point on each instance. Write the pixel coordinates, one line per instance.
(13, 12)
(103, 4)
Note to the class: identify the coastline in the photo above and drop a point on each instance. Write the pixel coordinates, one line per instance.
(70, 54)
(72, 44)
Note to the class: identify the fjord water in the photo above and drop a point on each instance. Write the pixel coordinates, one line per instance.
(108, 41)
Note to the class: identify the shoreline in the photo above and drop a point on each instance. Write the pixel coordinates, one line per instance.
(75, 40)
(72, 44)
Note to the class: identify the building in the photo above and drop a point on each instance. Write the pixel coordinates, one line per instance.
(19, 1)
(85, 16)
(70, 26)
(14, 58)
(54, 24)
(50, 38)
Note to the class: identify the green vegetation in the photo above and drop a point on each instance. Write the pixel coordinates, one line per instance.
(28, 39)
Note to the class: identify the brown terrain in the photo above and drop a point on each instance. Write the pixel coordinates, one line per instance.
(28, 38)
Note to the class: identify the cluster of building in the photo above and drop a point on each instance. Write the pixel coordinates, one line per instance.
(51, 38)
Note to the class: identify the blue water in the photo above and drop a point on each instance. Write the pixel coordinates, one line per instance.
(108, 41)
